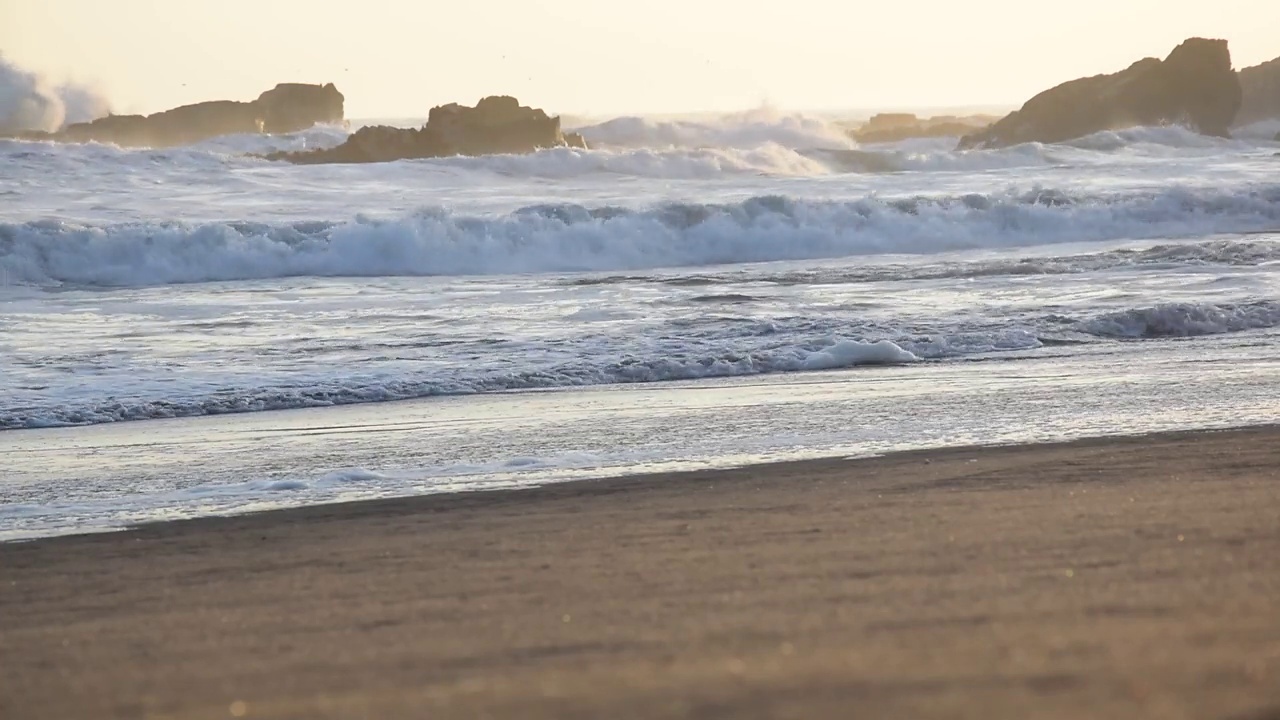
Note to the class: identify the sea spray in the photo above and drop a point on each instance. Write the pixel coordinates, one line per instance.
(30, 101)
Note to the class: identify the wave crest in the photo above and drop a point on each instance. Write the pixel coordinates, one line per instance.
(745, 130)
(1184, 320)
(572, 238)
(824, 354)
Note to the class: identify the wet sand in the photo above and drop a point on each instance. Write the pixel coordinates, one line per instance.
(1120, 578)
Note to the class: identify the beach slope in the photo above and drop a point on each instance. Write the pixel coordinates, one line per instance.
(1113, 578)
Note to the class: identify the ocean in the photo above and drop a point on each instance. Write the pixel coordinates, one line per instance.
(193, 331)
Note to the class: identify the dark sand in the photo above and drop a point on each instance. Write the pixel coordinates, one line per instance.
(1124, 578)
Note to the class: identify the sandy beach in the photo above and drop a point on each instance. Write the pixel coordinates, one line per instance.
(1114, 578)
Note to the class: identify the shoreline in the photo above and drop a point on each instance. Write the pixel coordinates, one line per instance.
(607, 482)
(1130, 576)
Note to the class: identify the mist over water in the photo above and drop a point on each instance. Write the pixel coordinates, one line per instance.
(30, 101)
(743, 130)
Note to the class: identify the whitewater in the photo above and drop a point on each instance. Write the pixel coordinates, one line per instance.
(197, 331)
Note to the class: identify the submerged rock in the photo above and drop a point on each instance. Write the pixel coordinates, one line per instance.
(1194, 86)
(287, 107)
(497, 124)
(1261, 87)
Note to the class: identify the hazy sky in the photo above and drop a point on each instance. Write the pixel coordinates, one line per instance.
(400, 57)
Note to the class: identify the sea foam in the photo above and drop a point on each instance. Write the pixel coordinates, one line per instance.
(561, 238)
(1184, 320)
(749, 129)
(826, 353)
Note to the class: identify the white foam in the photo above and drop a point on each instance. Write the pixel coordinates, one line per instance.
(848, 353)
(930, 157)
(314, 138)
(753, 358)
(1168, 136)
(350, 475)
(674, 163)
(744, 130)
(1184, 320)
(1264, 131)
(559, 238)
(522, 441)
(117, 511)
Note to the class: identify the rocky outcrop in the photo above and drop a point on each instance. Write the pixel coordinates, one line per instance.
(1194, 86)
(497, 124)
(291, 107)
(893, 127)
(1261, 87)
(288, 107)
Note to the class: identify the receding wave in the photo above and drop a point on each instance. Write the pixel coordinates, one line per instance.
(823, 354)
(569, 238)
(709, 348)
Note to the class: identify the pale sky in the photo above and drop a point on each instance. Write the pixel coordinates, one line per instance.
(400, 57)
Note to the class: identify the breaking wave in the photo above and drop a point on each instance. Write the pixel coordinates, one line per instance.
(1169, 320)
(1224, 252)
(745, 130)
(1262, 131)
(1168, 137)
(791, 345)
(789, 146)
(824, 354)
(679, 163)
(570, 238)
(676, 164)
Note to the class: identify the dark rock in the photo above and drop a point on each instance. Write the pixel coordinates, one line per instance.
(1194, 87)
(291, 107)
(575, 140)
(1261, 86)
(892, 127)
(498, 124)
(286, 108)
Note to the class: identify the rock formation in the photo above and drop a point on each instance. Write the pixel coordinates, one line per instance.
(288, 107)
(1194, 87)
(1261, 86)
(892, 127)
(498, 124)
(291, 107)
